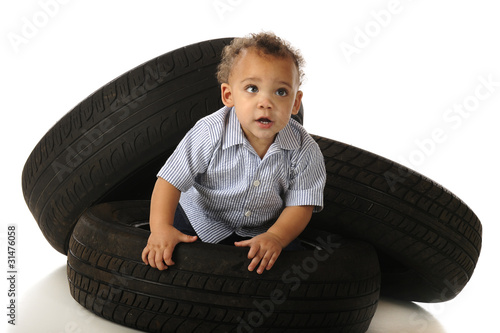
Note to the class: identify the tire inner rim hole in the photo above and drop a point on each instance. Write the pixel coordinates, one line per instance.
(142, 225)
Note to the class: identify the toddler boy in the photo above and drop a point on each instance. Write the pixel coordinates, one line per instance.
(248, 174)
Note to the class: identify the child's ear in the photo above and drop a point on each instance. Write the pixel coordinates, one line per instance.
(296, 103)
(226, 95)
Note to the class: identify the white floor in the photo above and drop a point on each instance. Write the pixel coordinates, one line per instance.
(415, 81)
(63, 314)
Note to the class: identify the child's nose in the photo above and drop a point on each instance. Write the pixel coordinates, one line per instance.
(265, 102)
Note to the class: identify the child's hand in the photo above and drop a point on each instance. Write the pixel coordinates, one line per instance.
(264, 248)
(158, 251)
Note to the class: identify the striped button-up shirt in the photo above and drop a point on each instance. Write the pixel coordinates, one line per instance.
(226, 187)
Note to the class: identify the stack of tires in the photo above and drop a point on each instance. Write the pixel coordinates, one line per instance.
(385, 229)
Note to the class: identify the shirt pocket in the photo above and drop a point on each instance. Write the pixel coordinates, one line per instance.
(277, 177)
(225, 172)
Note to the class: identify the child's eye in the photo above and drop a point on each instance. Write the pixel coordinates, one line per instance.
(282, 92)
(252, 89)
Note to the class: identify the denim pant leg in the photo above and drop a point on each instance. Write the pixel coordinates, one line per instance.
(295, 245)
(181, 222)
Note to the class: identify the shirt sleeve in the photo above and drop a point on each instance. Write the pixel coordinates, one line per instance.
(190, 158)
(308, 179)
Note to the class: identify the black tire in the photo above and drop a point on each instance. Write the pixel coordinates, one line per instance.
(111, 145)
(428, 239)
(115, 132)
(209, 289)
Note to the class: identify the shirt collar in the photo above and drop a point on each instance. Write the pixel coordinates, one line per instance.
(234, 134)
(286, 138)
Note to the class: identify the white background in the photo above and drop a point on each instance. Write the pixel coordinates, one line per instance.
(410, 69)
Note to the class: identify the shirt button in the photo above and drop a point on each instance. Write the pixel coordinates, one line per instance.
(248, 213)
(256, 183)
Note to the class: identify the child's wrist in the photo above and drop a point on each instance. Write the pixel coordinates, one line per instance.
(282, 242)
(162, 228)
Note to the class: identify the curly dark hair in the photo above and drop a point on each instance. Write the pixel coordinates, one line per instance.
(266, 42)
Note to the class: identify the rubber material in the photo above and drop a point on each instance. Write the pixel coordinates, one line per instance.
(428, 240)
(111, 145)
(135, 120)
(209, 289)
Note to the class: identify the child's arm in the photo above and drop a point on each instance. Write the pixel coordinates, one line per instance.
(265, 248)
(164, 237)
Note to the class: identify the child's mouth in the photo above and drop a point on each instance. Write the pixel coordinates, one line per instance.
(264, 121)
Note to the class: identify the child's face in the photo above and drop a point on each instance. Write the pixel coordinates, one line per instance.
(264, 91)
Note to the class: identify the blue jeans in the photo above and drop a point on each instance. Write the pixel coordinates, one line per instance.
(181, 223)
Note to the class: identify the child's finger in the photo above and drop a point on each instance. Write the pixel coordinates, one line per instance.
(271, 262)
(188, 239)
(254, 248)
(254, 252)
(243, 243)
(260, 256)
(263, 265)
(254, 263)
(268, 260)
(167, 257)
(144, 255)
(159, 261)
(151, 258)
